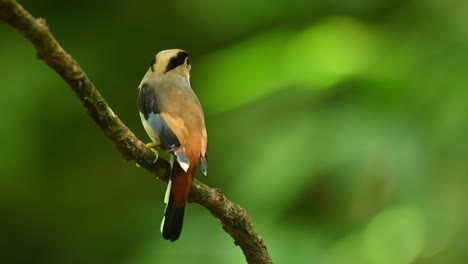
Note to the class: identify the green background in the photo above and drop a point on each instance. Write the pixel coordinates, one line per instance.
(340, 126)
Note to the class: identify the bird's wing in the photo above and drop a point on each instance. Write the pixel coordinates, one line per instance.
(171, 130)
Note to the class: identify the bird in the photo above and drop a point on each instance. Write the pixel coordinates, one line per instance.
(174, 120)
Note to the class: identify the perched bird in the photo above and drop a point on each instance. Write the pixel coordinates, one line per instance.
(173, 118)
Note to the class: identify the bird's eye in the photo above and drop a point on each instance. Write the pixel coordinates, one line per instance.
(187, 62)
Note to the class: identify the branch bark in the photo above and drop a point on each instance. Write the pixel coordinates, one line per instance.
(234, 219)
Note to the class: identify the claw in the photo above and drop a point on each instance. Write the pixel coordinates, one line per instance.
(152, 146)
(155, 154)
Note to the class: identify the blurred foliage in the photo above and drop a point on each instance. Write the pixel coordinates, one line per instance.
(338, 125)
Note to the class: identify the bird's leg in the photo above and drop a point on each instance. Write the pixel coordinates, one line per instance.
(152, 146)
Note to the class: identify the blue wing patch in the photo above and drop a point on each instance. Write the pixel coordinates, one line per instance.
(169, 141)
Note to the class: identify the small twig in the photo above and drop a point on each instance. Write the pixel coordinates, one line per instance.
(234, 219)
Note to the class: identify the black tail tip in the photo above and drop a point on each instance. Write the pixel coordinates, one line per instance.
(172, 223)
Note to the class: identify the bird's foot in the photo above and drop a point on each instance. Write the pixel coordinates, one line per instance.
(152, 146)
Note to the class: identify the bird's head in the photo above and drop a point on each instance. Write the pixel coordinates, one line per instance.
(171, 60)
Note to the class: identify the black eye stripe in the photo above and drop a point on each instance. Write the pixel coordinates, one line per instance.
(179, 59)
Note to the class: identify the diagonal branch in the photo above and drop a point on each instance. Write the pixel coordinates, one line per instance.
(234, 219)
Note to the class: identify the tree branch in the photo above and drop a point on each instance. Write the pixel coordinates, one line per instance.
(234, 219)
